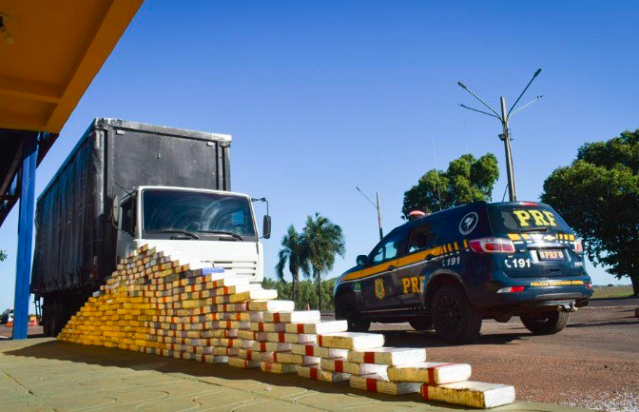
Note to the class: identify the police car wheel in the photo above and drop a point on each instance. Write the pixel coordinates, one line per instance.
(454, 318)
(346, 310)
(546, 323)
(421, 324)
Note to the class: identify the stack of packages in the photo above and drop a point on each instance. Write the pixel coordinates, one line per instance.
(158, 304)
(168, 304)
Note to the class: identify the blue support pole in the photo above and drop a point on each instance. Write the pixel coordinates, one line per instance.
(25, 235)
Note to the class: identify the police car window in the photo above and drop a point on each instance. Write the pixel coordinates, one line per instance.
(424, 237)
(389, 249)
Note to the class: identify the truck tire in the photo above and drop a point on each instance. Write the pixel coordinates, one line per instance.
(421, 323)
(454, 318)
(345, 309)
(545, 323)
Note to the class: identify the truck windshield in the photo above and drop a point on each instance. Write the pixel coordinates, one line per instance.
(197, 214)
(535, 217)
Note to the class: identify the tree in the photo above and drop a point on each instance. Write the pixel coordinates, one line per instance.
(293, 252)
(323, 240)
(466, 180)
(598, 196)
(3, 255)
(306, 294)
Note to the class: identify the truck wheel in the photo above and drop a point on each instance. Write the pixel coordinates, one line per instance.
(454, 318)
(546, 323)
(421, 324)
(345, 309)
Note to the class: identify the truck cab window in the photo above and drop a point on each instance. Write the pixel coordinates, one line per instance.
(128, 216)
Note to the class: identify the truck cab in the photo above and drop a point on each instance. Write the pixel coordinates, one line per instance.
(201, 227)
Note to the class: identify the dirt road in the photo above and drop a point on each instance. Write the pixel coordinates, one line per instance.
(593, 363)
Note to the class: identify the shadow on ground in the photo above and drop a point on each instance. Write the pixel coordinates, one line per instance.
(247, 379)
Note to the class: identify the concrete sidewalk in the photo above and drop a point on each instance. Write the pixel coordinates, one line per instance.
(46, 375)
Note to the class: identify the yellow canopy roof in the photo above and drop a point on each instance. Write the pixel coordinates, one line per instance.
(50, 51)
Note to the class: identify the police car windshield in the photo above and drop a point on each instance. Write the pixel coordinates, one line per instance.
(526, 218)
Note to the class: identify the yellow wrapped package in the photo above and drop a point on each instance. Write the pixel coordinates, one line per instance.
(351, 340)
(273, 367)
(379, 383)
(470, 393)
(315, 373)
(435, 373)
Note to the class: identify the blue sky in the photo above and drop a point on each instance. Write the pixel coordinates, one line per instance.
(321, 97)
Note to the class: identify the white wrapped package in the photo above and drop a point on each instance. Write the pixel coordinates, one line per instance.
(341, 365)
(267, 327)
(271, 306)
(318, 328)
(254, 294)
(243, 363)
(319, 374)
(289, 357)
(351, 340)
(300, 316)
(271, 347)
(435, 373)
(274, 367)
(388, 356)
(470, 393)
(379, 383)
(312, 349)
(290, 337)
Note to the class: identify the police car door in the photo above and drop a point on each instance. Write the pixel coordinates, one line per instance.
(376, 277)
(408, 277)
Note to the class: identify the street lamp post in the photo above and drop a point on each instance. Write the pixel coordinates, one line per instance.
(379, 212)
(505, 135)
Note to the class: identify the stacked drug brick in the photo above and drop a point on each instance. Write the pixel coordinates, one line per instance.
(163, 302)
(167, 303)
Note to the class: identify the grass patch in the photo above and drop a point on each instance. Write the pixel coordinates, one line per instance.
(606, 292)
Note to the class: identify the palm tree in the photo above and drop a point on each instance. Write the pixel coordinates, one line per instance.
(323, 240)
(293, 252)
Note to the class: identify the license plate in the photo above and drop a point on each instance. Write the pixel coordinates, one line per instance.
(551, 255)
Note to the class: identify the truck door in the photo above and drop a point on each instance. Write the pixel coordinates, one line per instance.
(411, 268)
(377, 281)
(126, 227)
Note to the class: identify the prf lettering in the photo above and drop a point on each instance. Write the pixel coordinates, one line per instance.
(537, 217)
(412, 284)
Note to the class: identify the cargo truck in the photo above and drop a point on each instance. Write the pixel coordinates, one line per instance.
(127, 184)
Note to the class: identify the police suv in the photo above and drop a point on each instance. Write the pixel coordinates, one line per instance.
(451, 269)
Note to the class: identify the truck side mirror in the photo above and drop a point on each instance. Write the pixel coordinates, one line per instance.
(266, 227)
(115, 210)
(362, 260)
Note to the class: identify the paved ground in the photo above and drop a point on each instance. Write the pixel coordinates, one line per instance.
(593, 363)
(45, 375)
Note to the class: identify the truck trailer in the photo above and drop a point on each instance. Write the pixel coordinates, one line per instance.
(126, 184)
